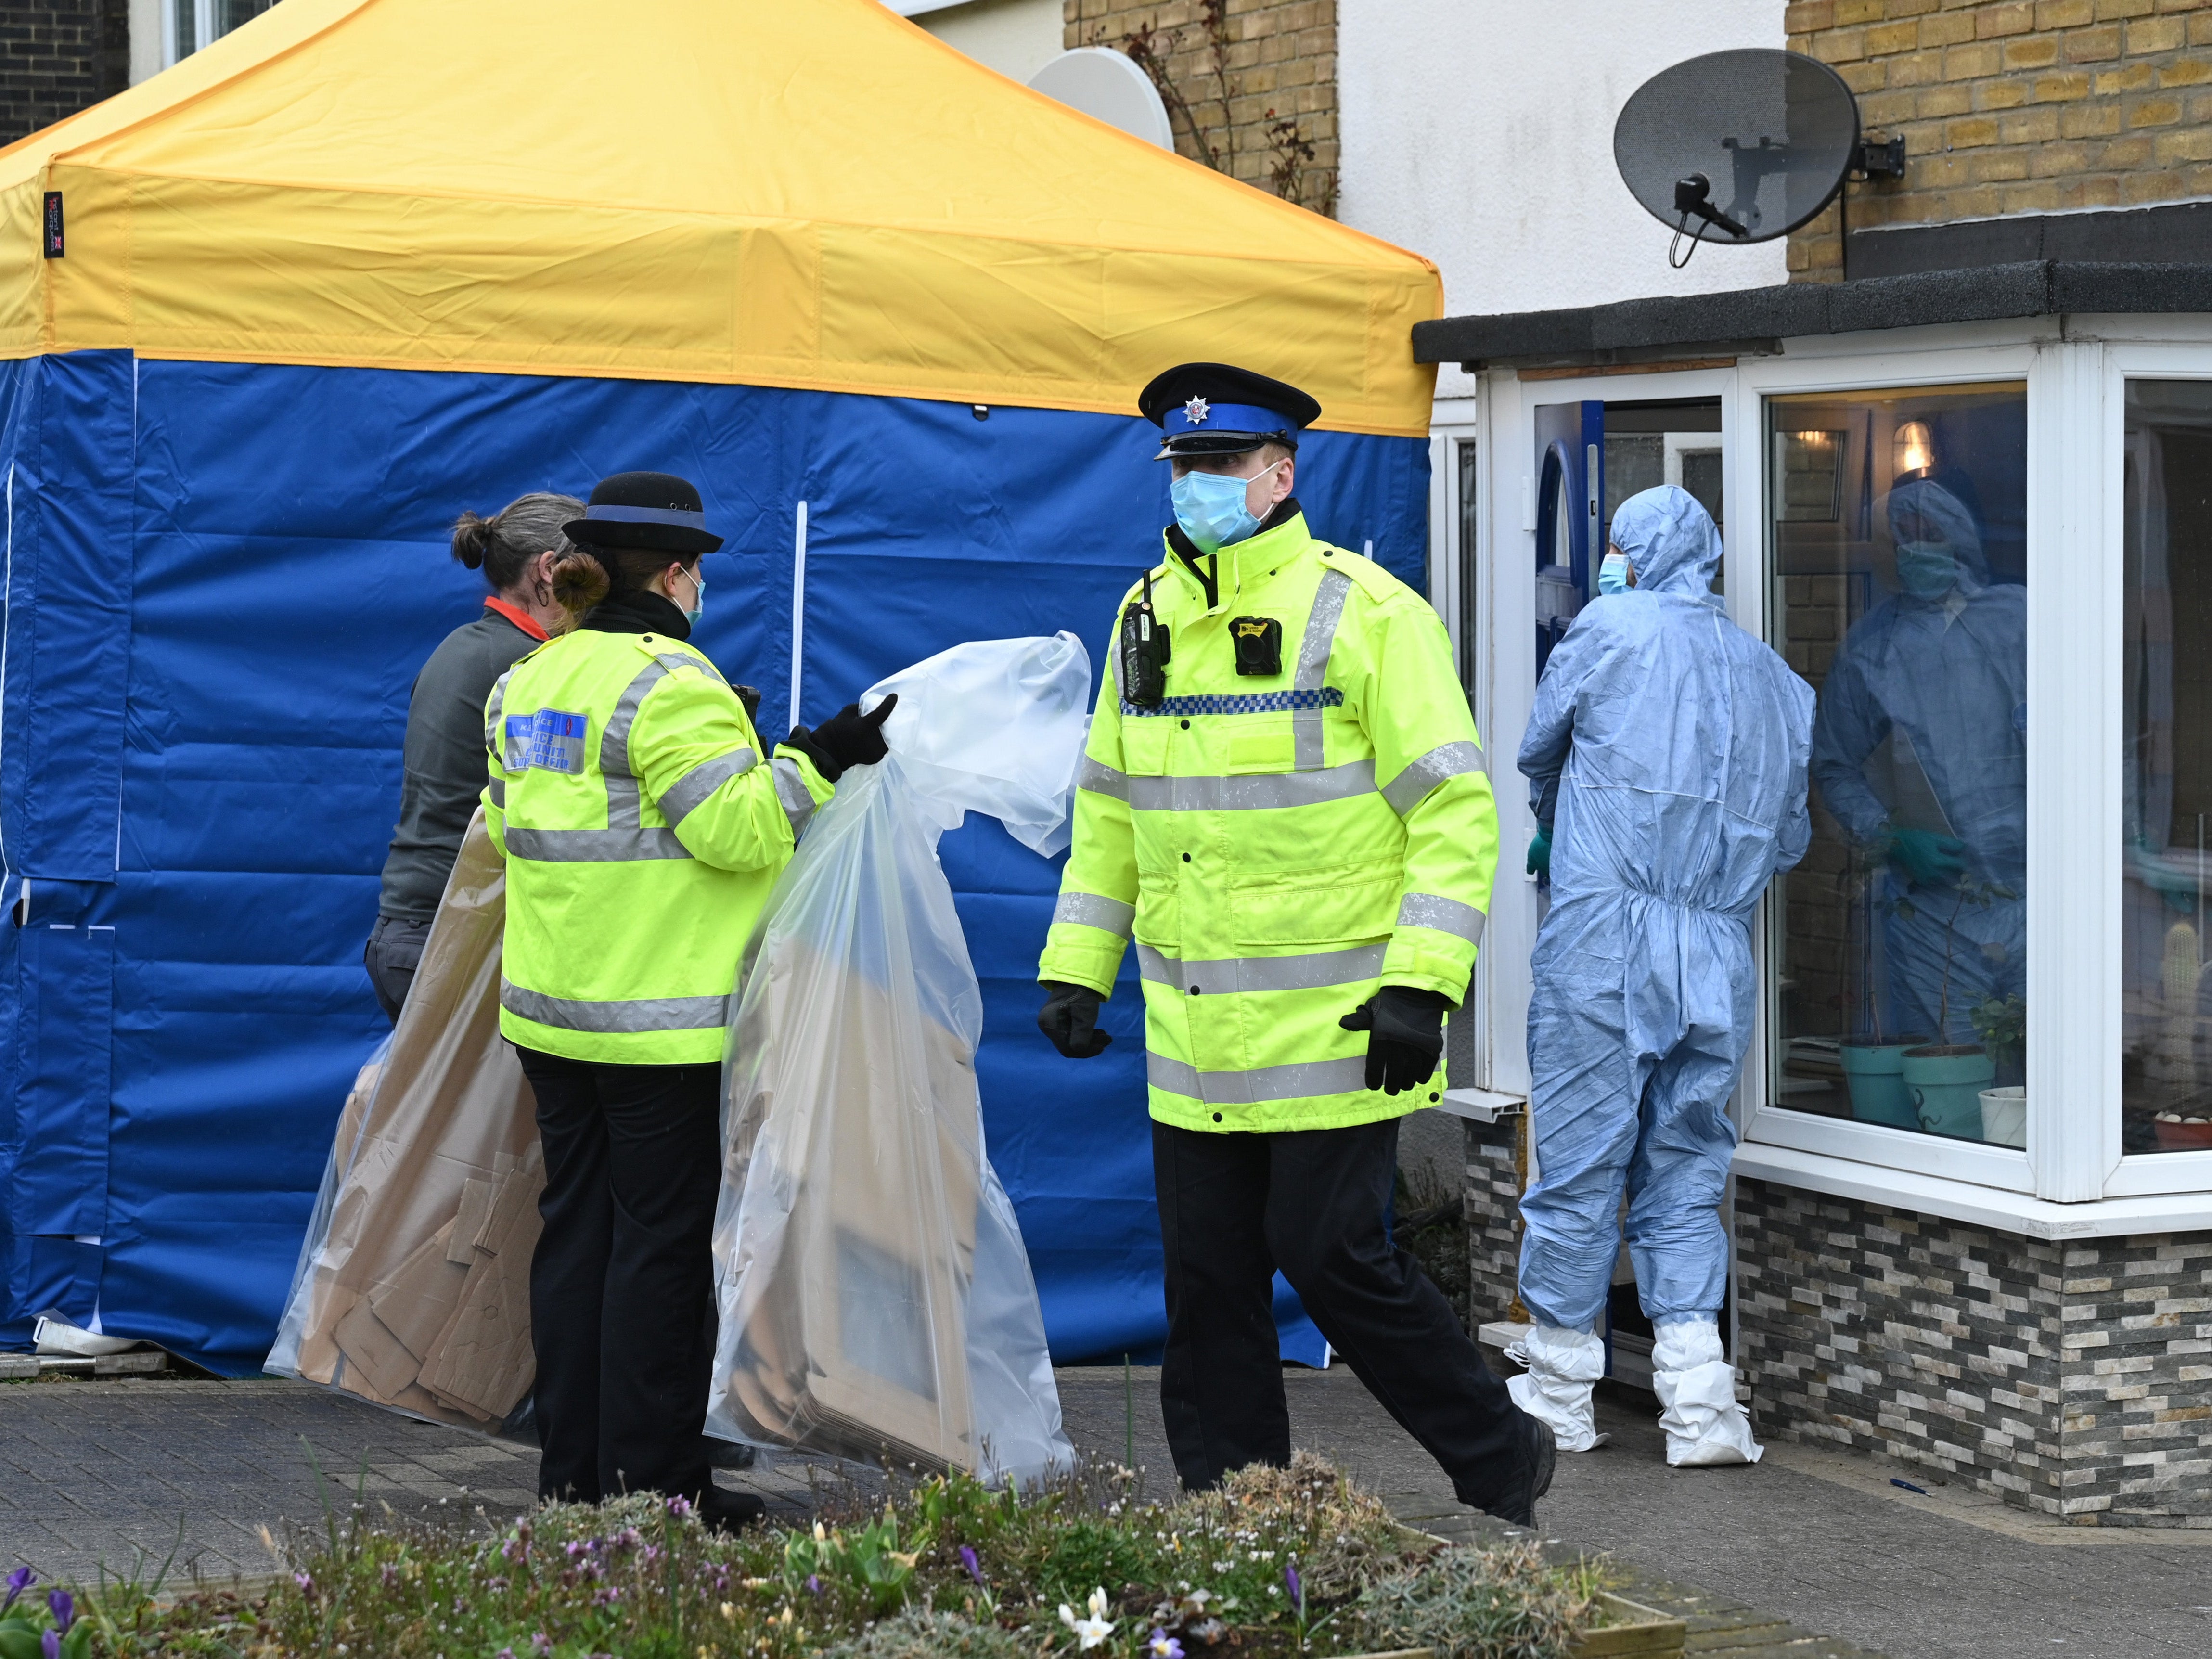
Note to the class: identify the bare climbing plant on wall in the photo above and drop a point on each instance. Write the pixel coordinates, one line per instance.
(1204, 109)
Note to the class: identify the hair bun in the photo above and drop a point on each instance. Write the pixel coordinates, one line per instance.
(472, 539)
(580, 581)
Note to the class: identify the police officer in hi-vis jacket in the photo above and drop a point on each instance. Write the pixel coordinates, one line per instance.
(1282, 801)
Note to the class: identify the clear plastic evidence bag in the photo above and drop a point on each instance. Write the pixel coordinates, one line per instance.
(413, 1286)
(875, 1299)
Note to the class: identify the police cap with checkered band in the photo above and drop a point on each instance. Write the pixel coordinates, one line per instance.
(1213, 409)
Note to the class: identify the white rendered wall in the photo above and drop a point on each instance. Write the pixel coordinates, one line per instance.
(1016, 38)
(145, 24)
(1480, 132)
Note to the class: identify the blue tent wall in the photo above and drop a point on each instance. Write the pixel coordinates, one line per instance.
(221, 581)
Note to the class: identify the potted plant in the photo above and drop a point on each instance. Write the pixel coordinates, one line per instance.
(2002, 1025)
(1946, 1080)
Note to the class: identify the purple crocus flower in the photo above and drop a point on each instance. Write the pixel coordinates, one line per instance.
(1160, 1645)
(50, 1644)
(18, 1581)
(63, 1605)
(968, 1560)
(814, 1583)
(1297, 1591)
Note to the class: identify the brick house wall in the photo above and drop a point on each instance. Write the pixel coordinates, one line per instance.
(59, 57)
(2014, 107)
(1278, 66)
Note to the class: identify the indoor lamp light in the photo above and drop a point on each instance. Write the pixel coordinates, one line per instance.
(1912, 450)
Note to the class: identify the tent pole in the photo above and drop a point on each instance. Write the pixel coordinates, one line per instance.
(798, 608)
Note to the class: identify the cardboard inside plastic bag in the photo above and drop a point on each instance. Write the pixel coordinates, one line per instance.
(413, 1287)
(875, 1299)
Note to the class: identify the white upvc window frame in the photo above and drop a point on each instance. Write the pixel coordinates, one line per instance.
(2071, 1180)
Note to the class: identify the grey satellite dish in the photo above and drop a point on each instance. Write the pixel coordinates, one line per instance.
(1102, 83)
(1743, 146)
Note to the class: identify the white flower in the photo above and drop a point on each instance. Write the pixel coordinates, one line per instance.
(1088, 1632)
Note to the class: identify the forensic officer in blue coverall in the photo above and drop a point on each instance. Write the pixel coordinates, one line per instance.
(1666, 758)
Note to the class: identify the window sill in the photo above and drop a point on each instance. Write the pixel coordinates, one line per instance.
(1977, 1206)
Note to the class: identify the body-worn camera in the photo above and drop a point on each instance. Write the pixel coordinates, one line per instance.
(1143, 653)
(1259, 643)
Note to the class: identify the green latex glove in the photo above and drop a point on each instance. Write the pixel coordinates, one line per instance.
(1540, 852)
(1927, 859)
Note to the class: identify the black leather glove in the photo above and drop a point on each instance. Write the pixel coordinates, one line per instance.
(750, 695)
(1070, 1018)
(848, 738)
(1407, 1036)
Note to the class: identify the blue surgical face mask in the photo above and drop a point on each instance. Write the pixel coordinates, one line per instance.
(1210, 507)
(698, 596)
(1926, 570)
(1612, 573)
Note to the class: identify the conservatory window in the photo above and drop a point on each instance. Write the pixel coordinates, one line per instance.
(2165, 1069)
(1898, 535)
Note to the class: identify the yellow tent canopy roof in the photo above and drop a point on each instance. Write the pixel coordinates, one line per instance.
(808, 193)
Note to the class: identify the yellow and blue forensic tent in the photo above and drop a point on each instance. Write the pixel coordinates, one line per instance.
(780, 192)
(271, 319)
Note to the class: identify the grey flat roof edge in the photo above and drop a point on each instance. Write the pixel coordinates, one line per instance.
(2038, 288)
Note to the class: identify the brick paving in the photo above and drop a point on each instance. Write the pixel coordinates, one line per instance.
(96, 1471)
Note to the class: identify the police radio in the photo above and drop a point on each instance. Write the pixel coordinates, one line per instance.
(1143, 653)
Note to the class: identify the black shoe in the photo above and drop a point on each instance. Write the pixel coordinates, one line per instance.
(729, 1511)
(1518, 1505)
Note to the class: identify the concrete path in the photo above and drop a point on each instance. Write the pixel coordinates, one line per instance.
(91, 1472)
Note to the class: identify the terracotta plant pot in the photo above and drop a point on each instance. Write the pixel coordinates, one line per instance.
(2182, 1134)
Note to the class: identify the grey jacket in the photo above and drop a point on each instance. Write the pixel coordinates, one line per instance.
(445, 761)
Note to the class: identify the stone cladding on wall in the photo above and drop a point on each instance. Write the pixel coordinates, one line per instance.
(2014, 107)
(1278, 66)
(59, 57)
(2070, 1378)
(1493, 1211)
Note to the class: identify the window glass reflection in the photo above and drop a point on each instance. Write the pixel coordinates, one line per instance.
(1897, 525)
(2167, 997)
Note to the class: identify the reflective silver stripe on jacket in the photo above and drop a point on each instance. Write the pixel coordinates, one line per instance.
(1253, 1088)
(614, 741)
(498, 790)
(1447, 760)
(494, 709)
(1306, 749)
(1101, 779)
(1253, 791)
(689, 793)
(1096, 910)
(1220, 976)
(790, 791)
(637, 1015)
(592, 846)
(1445, 915)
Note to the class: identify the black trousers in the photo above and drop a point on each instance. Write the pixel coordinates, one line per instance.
(622, 1285)
(1236, 1208)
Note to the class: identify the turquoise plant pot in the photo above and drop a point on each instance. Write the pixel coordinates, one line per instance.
(1946, 1083)
(1874, 1072)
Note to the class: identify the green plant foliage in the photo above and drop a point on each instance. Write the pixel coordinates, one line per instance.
(1478, 1604)
(918, 1634)
(1275, 1559)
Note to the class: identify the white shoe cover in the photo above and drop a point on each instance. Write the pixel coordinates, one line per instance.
(1706, 1427)
(1564, 1366)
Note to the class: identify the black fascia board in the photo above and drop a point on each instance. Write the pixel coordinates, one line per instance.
(1750, 319)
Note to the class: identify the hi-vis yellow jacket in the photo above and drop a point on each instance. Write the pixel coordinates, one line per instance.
(643, 833)
(1280, 847)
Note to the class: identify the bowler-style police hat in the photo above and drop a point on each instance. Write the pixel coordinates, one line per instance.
(657, 512)
(1214, 409)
